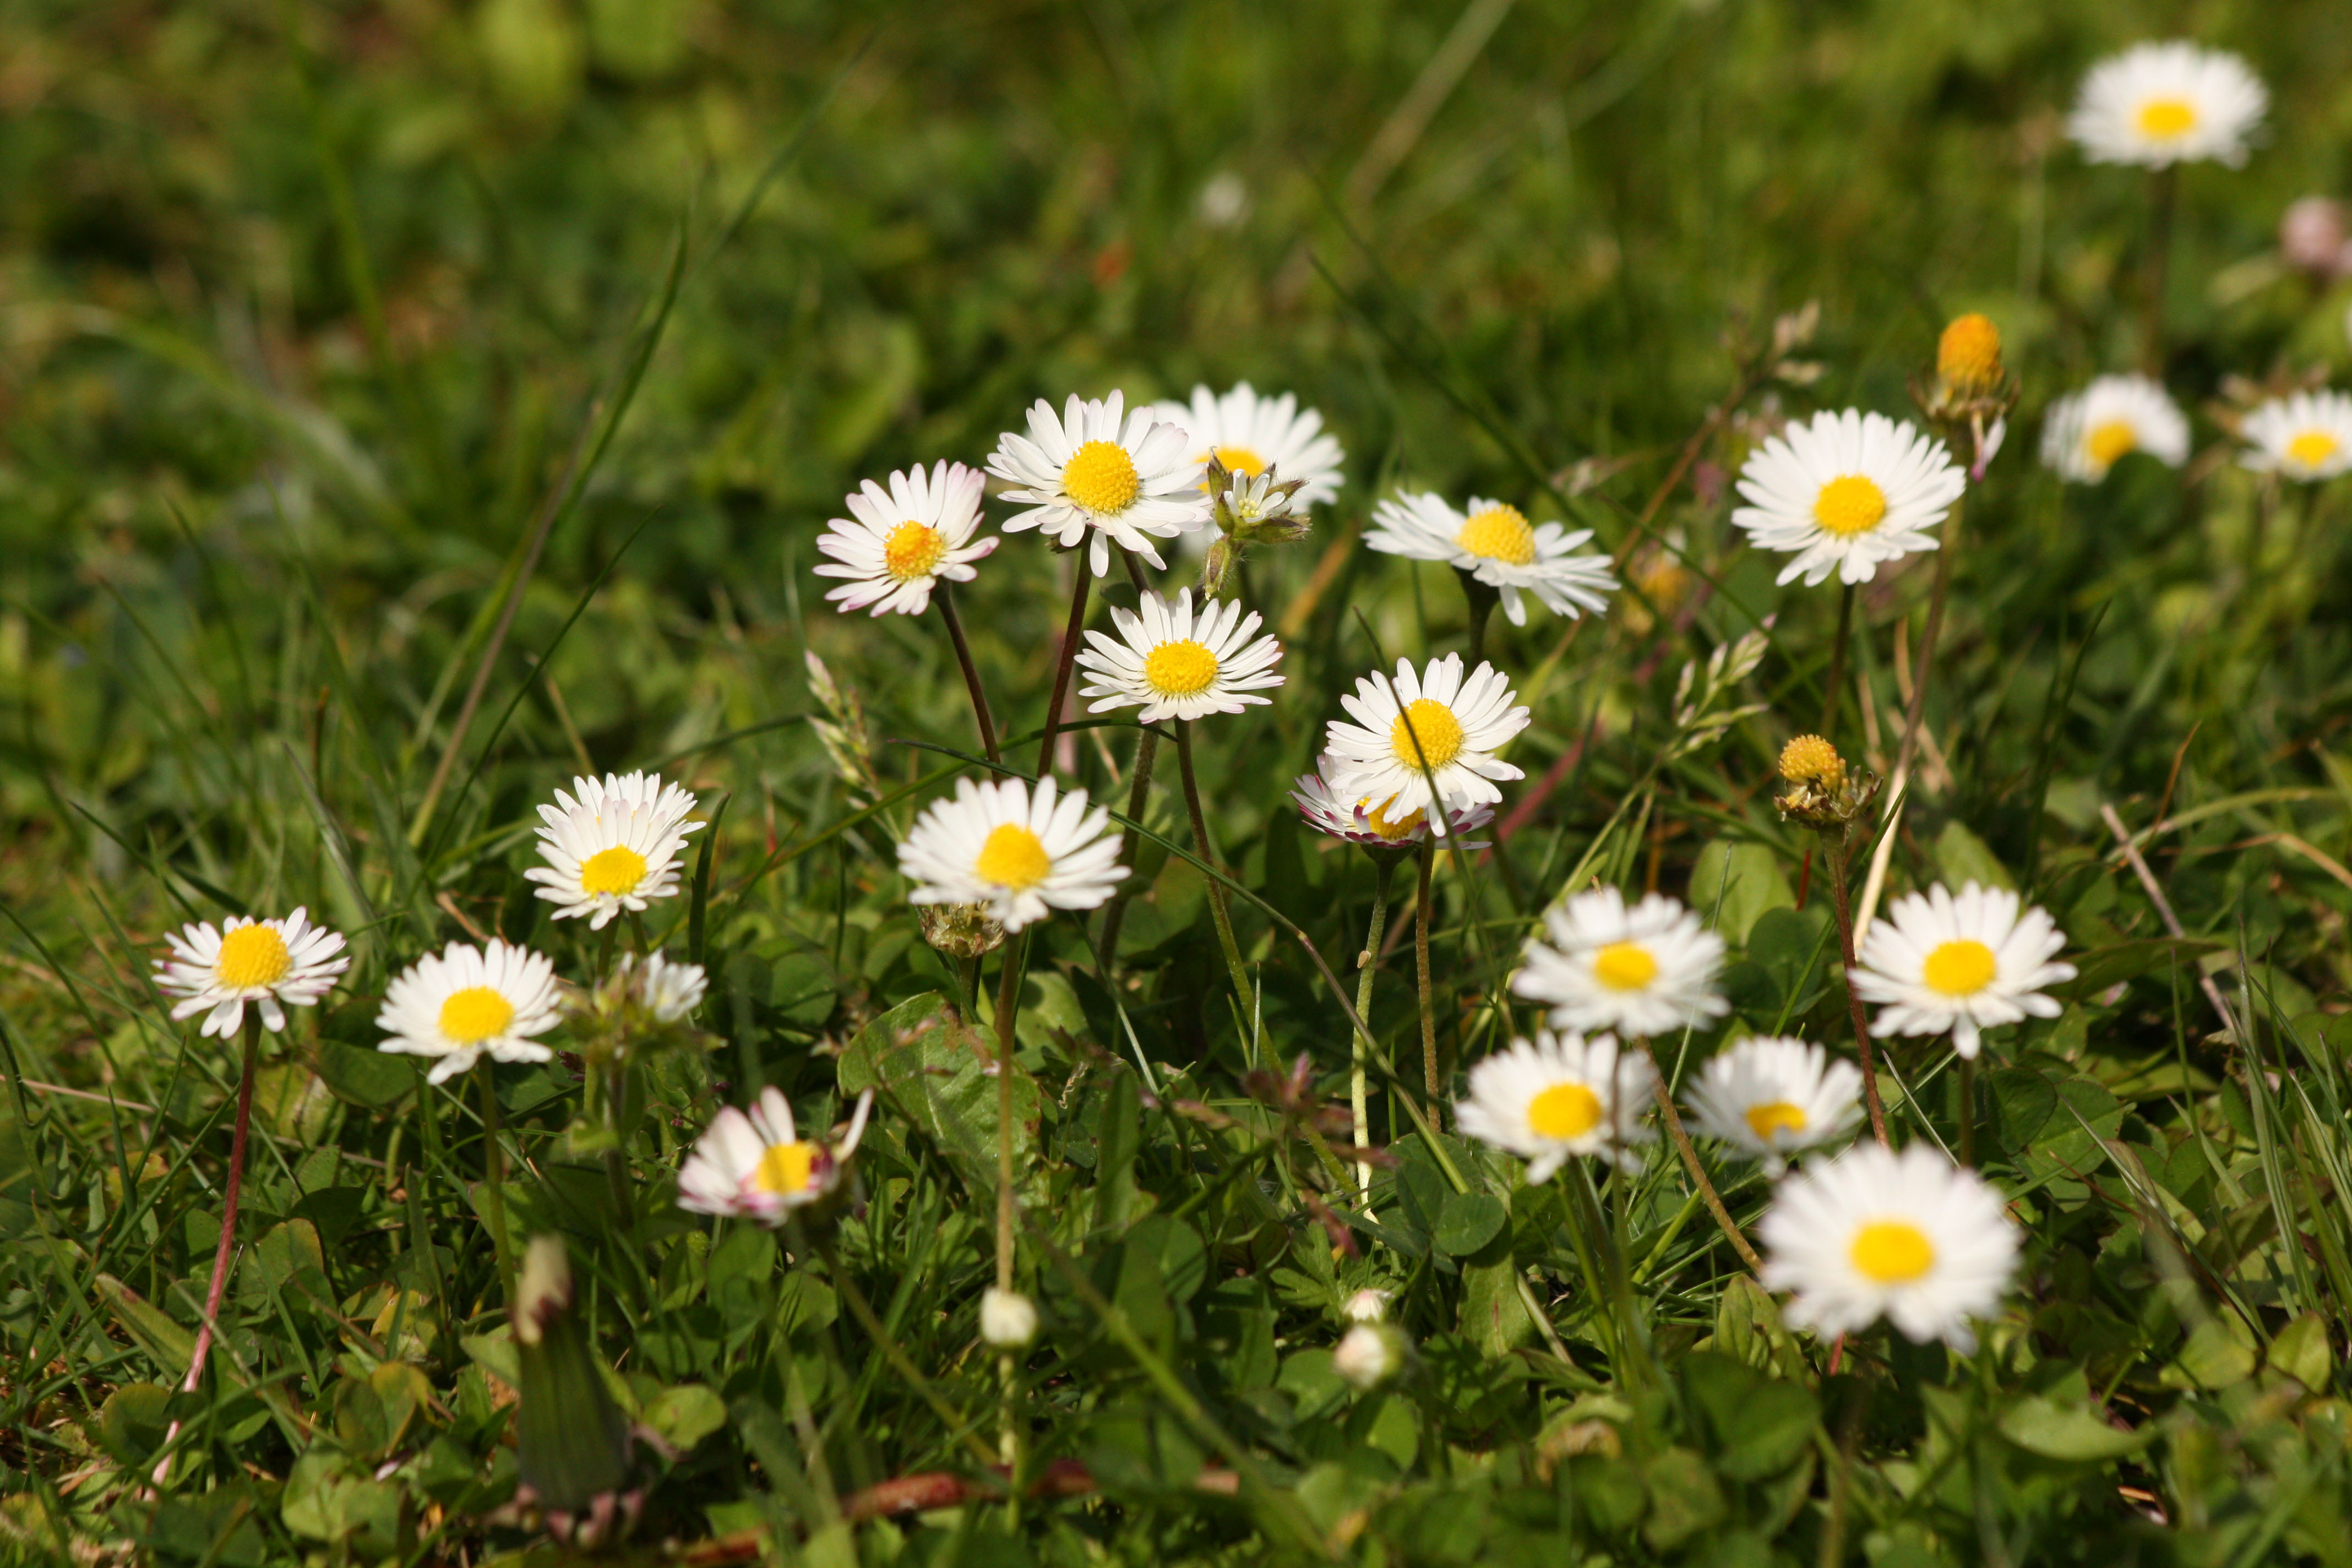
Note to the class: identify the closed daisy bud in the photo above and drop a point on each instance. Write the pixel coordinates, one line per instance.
(1369, 1355)
(1008, 1320)
(571, 1443)
(1968, 356)
(1809, 759)
(1366, 1306)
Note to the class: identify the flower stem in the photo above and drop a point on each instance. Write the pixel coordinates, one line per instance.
(971, 671)
(2155, 265)
(1674, 1120)
(1968, 1111)
(1008, 998)
(1421, 975)
(1138, 794)
(230, 1191)
(494, 1178)
(1841, 854)
(1071, 634)
(1915, 714)
(1482, 599)
(1837, 665)
(1234, 964)
(1359, 1079)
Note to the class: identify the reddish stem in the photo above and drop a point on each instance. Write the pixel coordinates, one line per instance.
(234, 1185)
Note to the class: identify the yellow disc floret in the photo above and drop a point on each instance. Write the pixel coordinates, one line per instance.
(1012, 857)
(2166, 119)
(1564, 1110)
(1433, 725)
(1624, 966)
(1961, 968)
(1401, 827)
(1241, 460)
(1101, 476)
(1850, 504)
(474, 1015)
(2313, 448)
(252, 955)
(616, 871)
(1892, 1252)
(1498, 533)
(1774, 1116)
(913, 549)
(785, 1169)
(1809, 759)
(1181, 668)
(1968, 356)
(2110, 441)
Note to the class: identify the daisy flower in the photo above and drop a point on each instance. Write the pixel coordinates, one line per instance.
(2160, 104)
(2087, 432)
(1176, 664)
(1962, 964)
(755, 1166)
(1642, 971)
(2306, 436)
(1558, 1096)
(1250, 434)
(616, 847)
(1016, 852)
(1846, 492)
(1770, 1096)
(1496, 544)
(1908, 1236)
(1435, 717)
(668, 990)
(1129, 482)
(1359, 819)
(466, 1002)
(265, 962)
(895, 544)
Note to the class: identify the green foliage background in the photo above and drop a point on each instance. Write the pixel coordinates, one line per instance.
(310, 309)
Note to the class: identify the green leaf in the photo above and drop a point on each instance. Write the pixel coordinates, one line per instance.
(2300, 1351)
(1684, 1498)
(685, 1415)
(1963, 857)
(2070, 1431)
(1733, 885)
(1493, 1314)
(133, 1422)
(372, 1080)
(152, 1327)
(1469, 1221)
(2218, 1353)
(938, 1074)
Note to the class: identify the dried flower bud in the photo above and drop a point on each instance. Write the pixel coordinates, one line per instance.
(1968, 356)
(1008, 1320)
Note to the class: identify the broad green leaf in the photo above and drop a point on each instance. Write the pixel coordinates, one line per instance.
(1684, 1498)
(685, 1415)
(1468, 1222)
(1493, 1314)
(1734, 884)
(2070, 1431)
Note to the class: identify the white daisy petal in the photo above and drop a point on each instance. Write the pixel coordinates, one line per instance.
(1358, 818)
(464, 1003)
(1423, 726)
(1559, 1096)
(2088, 432)
(1126, 479)
(1496, 544)
(2307, 437)
(757, 1167)
(1005, 846)
(1769, 1097)
(1845, 492)
(2156, 105)
(1174, 665)
(896, 545)
(266, 963)
(617, 846)
(1936, 964)
(1642, 971)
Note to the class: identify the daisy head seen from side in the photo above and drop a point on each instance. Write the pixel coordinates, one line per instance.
(273, 964)
(1495, 543)
(1845, 492)
(2157, 104)
(615, 847)
(2088, 433)
(1174, 662)
(897, 545)
(1427, 735)
(1907, 1236)
(1250, 434)
(1015, 852)
(1360, 819)
(1963, 964)
(755, 1165)
(1769, 1097)
(1558, 1096)
(464, 1003)
(2306, 436)
(1643, 970)
(1100, 476)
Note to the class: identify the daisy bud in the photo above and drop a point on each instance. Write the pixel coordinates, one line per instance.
(960, 931)
(1968, 356)
(1008, 1320)
(1366, 1306)
(1809, 759)
(572, 1444)
(1823, 793)
(2315, 237)
(1369, 1355)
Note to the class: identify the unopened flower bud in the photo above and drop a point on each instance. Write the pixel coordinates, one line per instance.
(1968, 356)
(2315, 237)
(571, 1443)
(1008, 1320)
(1809, 759)
(1366, 1306)
(1369, 1355)
(960, 931)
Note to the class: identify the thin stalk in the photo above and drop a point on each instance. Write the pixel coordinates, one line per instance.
(1915, 714)
(1673, 1118)
(1968, 1111)
(230, 1190)
(1841, 854)
(2162, 186)
(1007, 999)
(1138, 795)
(1071, 634)
(971, 671)
(1359, 1079)
(1837, 664)
(1481, 600)
(1421, 975)
(1217, 910)
(494, 1180)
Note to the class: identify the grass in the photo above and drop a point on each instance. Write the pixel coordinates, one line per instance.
(327, 324)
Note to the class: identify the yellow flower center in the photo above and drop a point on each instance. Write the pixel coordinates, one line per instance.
(1182, 669)
(1564, 1110)
(1624, 966)
(2110, 441)
(1809, 759)
(1968, 356)
(1850, 505)
(252, 955)
(1241, 460)
(2166, 118)
(1892, 1252)
(1774, 1116)
(2313, 448)
(1431, 723)
(1101, 476)
(616, 871)
(1498, 533)
(1012, 857)
(1385, 826)
(1959, 968)
(785, 1169)
(475, 1015)
(913, 549)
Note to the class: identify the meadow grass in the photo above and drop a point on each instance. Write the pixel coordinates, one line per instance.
(408, 406)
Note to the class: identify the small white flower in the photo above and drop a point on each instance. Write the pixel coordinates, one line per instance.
(616, 847)
(2306, 436)
(1558, 1096)
(1770, 1096)
(1176, 663)
(757, 1167)
(1366, 1306)
(266, 963)
(1358, 818)
(1129, 482)
(1843, 492)
(2155, 105)
(1496, 544)
(1018, 854)
(1964, 965)
(1008, 1320)
(464, 1003)
(1908, 1236)
(1643, 970)
(1250, 434)
(668, 990)
(1430, 723)
(897, 544)
(2086, 433)
(1369, 1355)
